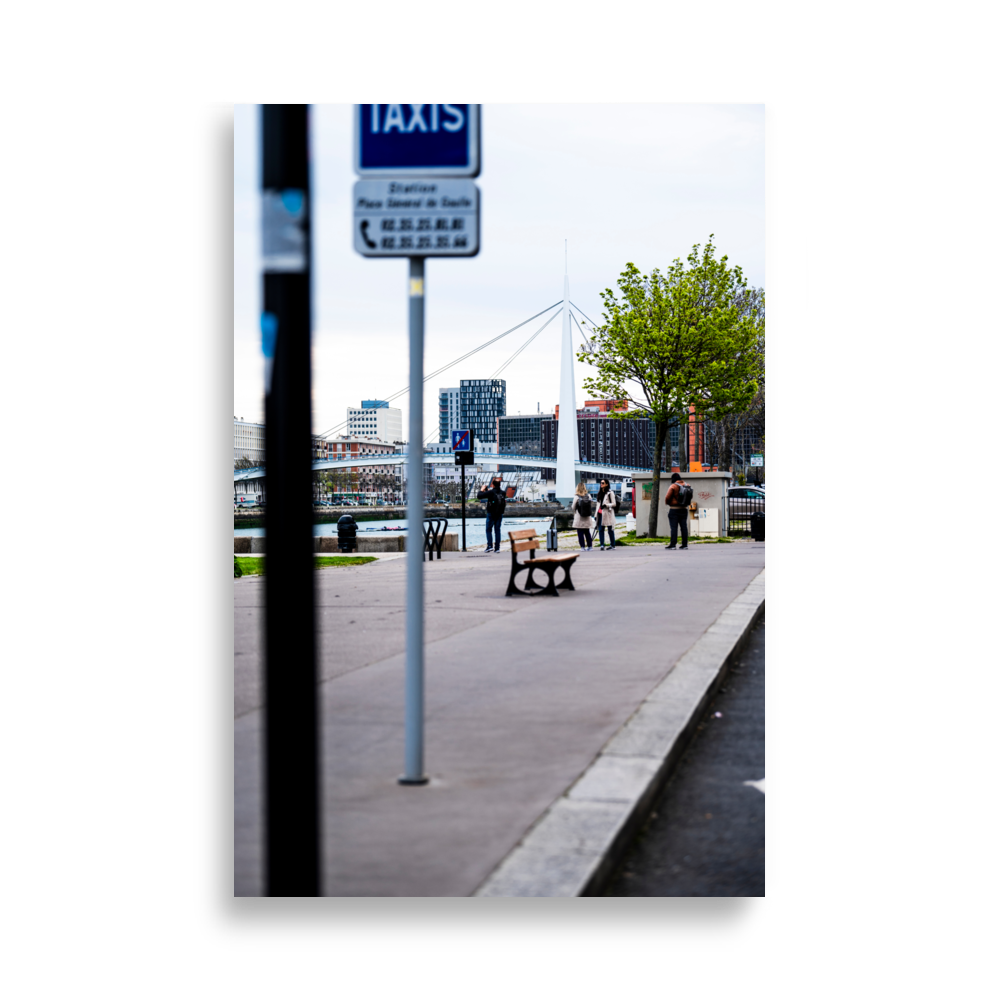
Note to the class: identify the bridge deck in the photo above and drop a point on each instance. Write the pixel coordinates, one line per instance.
(397, 458)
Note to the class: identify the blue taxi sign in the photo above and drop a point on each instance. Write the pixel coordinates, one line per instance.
(417, 140)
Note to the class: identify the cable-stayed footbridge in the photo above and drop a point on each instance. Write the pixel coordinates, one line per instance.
(568, 465)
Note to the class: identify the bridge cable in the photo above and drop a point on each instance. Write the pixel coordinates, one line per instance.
(524, 345)
(583, 314)
(587, 344)
(451, 364)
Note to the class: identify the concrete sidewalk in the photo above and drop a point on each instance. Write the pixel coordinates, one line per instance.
(528, 700)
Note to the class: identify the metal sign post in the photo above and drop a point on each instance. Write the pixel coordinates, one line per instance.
(416, 202)
(291, 769)
(461, 445)
(413, 773)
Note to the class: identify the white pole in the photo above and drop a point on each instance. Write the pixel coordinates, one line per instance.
(568, 445)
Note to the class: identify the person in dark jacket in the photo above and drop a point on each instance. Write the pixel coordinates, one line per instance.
(676, 513)
(606, 512)
(496, 501)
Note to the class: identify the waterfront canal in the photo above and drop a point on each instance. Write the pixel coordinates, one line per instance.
(475, 528)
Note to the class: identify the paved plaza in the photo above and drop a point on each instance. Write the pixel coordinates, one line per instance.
(522, 694)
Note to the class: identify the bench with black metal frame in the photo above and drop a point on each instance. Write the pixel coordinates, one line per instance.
(528, 541)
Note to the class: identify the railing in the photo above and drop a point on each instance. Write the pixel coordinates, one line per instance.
(739, 509)
(482, 458)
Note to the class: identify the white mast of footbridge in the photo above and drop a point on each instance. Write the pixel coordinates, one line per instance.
(568, 444)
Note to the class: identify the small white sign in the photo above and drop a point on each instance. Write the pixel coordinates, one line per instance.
(416, 218)
(757, 460)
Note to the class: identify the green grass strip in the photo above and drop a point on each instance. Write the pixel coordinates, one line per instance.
(256, 566)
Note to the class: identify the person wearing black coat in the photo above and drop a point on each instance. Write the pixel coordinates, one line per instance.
(677, 513)
(496, 501)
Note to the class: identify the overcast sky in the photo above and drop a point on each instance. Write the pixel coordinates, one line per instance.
(620, 182)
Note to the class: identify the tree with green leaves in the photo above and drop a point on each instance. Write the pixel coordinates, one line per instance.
(690, 337)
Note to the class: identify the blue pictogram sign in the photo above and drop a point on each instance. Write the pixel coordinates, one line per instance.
(461, 440)
(416, 140)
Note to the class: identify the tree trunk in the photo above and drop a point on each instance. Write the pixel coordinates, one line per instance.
(682, 442)
(654, 497)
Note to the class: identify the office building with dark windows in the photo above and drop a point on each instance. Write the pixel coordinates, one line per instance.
(482, 402)
(605, 439)
(522, 435)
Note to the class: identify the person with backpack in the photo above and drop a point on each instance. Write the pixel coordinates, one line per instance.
(678, 499)
(496, 504)
(583, 521)
(607, 507)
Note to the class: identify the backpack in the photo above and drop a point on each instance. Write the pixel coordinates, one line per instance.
(684, 495)
(617, 501)
(584, 506)
(496, 505)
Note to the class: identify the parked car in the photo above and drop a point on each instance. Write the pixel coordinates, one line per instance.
(744, 501)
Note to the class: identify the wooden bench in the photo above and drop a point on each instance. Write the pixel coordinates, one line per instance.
(528, 541)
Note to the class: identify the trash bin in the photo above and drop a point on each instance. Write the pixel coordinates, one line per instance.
(757, 526)
(347, 534)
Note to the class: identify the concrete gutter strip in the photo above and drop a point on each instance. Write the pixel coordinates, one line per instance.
(578, 843)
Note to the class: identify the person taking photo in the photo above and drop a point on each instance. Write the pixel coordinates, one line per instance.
(496, 503)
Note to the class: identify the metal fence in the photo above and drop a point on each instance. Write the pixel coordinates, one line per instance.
(740, 505)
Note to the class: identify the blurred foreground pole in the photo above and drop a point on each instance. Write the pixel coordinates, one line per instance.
(292, 823)
(413, 749)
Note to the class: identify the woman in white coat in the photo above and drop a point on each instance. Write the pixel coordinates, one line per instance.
(584, 525)
(606, 512)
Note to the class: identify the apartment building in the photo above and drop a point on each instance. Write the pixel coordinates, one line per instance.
(370, 478)
(449, 413)
(375, 418)
(248, 441)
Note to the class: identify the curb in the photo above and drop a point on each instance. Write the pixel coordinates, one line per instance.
(579, 841)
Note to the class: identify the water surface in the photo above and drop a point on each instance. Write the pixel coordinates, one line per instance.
(475, 528)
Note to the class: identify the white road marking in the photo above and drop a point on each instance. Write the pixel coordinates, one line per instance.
(759, 785)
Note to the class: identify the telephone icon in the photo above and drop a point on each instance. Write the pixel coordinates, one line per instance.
(371, 244)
